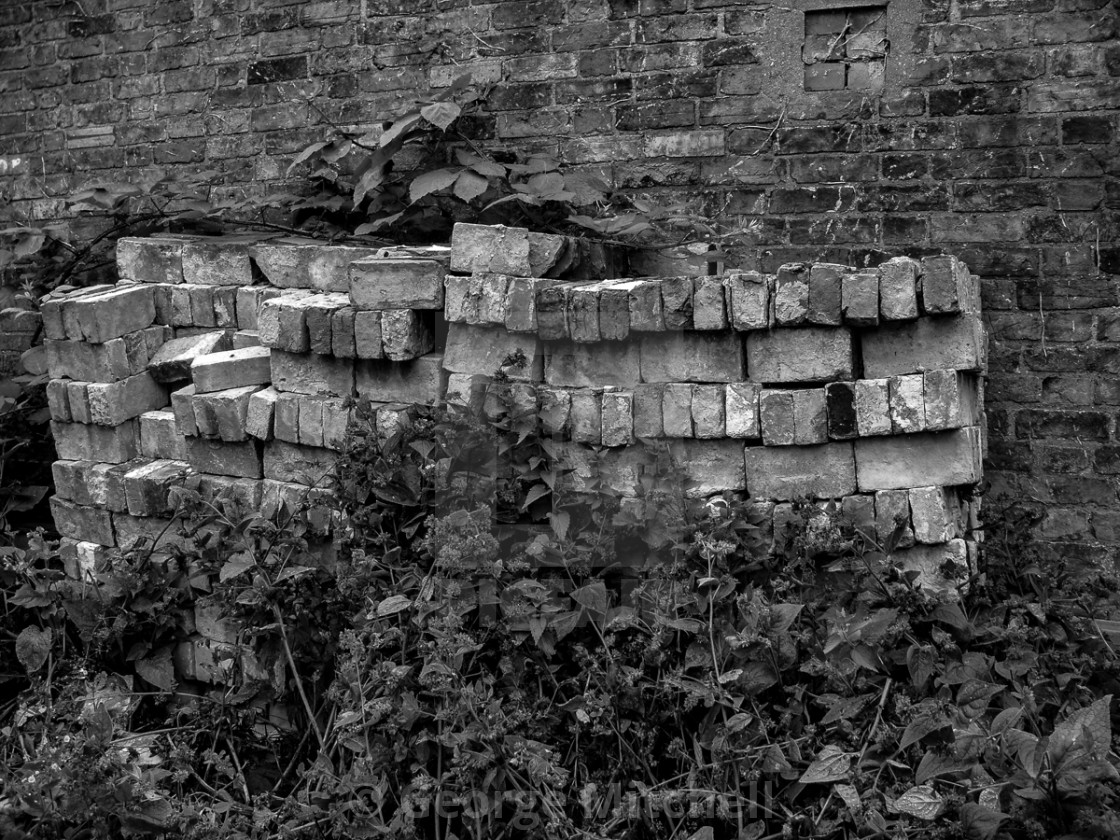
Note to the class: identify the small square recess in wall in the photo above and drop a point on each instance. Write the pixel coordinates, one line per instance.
(845, 49)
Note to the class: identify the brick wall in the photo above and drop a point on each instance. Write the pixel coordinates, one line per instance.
(993, 136)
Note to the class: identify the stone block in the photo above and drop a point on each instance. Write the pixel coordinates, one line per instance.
(935, 514)
(791, 295)
(748, 294)
(810, 418)
(416, 381)
(172, 361)
(81, 522)
(245, 338)
(312, 374)
(929, 343)
(741, 410)
(405, 334)
(70, 481)
(468, 390)
(648, 422)
(614, 310)
(480, 249)
(898, 289)
(285, 423)
(521, 305)
(309, 466)
(397, 284)
(218, 457)
(280, 321)
(228, 409)
(787, 473)
(232, 369)
(113, 313)
(218, 260)
(907, 401)
(860, 299)
(618, 418)
(485, 350)
(840, 400)
(311, 421)
(461, 299)
(150, 259)
(82, 442)
(552, 312)
(586, 418)
(776, 418)
(224, 300)
(952, 400)
(808, 354)
(106, 483)
(942, 458)
(948, 288)
(826, 294)
(112, 403)
(77, 396)
(676, 302)
(708, 466)
(709, 419)
(873, 407)
(644, 300)
(344, 333)
(892, 511)
(709, 308)
(259, 416)
(108, 362)
(676, 410)
(583, 313)
(182, 406)
(336, 423)
(146, 487)
(302, 263)
(367, 334)
(248, 303)
(58, 403)
(159, 436)
(692, 357)
(606, 363)
(493, 290)
(319, 312)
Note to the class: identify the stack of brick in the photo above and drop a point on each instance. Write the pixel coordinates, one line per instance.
(231, 364)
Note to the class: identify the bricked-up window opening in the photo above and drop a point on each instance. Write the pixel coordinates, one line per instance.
(845, 49)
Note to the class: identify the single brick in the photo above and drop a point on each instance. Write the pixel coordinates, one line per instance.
(367, 334)
(285, 424)
(942, 458)
(929, 343)
(618, 418)
(81, 522)
(583, 313)
(552, 312)
(708, 466)
(281, 322)
(898, 289)
(259, 417)
(416, 381)
(859, 297)
(492, 298)
(172, 361)
(230, 410)
(892, 510)
(485, 350)
(646, 311)
(397, 284)
(320, 310)
(648, 422)
(58, 403)
(77, 396)
(952, 400)
(692, 357)
(460, 306)
(709, 419)
(748, 300)
(810, 354)
(786, 473)
(859, 512)
(224, 301)
(147, 487)
(810, 419)
(150, 259)
(297, 263)
(218, 261)
(840, 398)
(245, 338)
(556, 407)
(825, 293)
(108, 362)
(112, 403)
(935, 513)
(741, 410)
(709, 309)
(676, 410)
(106, 483)
(182, 406)
(82, 442)
(220, 458)
(791, 295)
(521, 305)
(586, 418)
(159, 436)
(336, 423)
(344, 333)
(70, 481)
(907, 400)
(523, 253)
(311, 421)
(948, 288)
(873, 412)
(118, 311)
(614, 310)
(676, 302)
(467, 390)
(311, 374)
(232, 369)
(776, 418)
(607, 363)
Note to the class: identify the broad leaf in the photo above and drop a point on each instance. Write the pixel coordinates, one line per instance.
(158, 669)
(430, 182)
(441, 114)
(980, 823)
(470, 185)
(921, 801)
(831, 765)
(236, 565)
(393, 605)
(1088, 728)
(33, 646)
(307, 153)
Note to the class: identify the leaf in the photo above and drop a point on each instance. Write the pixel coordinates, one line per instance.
(395, 133)
(850, 796)
(921, 801)
(919, 728)
(470, 185)
(980, 823)
(560, 520)
(158, 669)
(236, 565)
(33, 646)
(1089, 728)
(441, 114)
(933, 765)
(393, 605)
(831, 765)
(430, 182)
(546, 184)
(592, 597)
(307, 153)
(537, 491)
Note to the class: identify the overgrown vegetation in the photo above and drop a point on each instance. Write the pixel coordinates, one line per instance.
(486, 653)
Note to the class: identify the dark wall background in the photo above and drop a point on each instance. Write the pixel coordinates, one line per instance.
(993, 137)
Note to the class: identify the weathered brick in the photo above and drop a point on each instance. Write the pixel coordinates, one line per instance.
(934, 513)
(840, 400)
(872, 406)
(749, 300)
(948, 288)
(492, 303)
(925, 344)
(217, 261)
(586, 417)
(150, 259)
(552, 312)
(221, 458)
(898, 289)
(676, 410)
(172, 361)
(520, 306)
(825, 293)
(708, 411)
(648, 422)
(709, 466)
(692, 357)
(791, 295)
(367, 334)
(709, 311)
(776, 418)
(617, 418)
(82, 522)
(942, 458)
(231, 369)
(860, 299)
(83, 442)
(310, 373)
(907, 404)
(416, 381)
(98, 318)
(607, 363)
(741, 410)
(676, 302)
(405, 334)
(583, 313)
(808, 354)
(892, 510)
(396, 284)
(786, 473)
(112, 403)
(58, 403)
(147, 486)
(484, 350)
(952, 400)
(160, 437)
